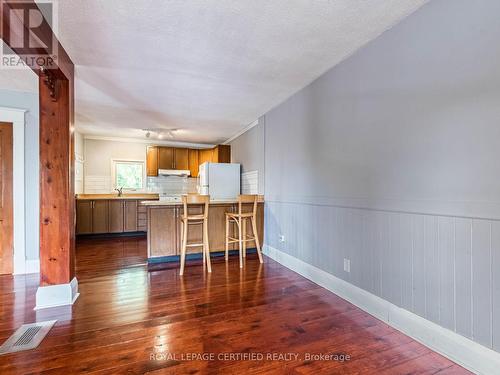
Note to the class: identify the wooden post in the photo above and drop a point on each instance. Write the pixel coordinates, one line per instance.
(57, 204)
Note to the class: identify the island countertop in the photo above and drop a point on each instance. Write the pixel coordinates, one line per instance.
(178, 203)
(164, 227)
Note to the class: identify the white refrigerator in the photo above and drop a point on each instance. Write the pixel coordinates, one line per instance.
(219, 180)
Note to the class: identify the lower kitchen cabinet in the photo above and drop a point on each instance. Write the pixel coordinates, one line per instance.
(130, 216)
(164, 222)
(84, 217)
(110, 216)
(100, 217)
(116, 216)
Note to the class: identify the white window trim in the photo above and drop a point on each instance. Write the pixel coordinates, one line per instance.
(113, 173)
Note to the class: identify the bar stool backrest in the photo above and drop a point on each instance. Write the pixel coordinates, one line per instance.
(246, 199)
(196, 199)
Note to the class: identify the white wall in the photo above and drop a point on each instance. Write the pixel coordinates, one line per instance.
(248, 150)
(98, 173)
(98, 156)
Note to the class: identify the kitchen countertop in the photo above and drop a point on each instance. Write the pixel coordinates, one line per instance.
(125, 196)
(173, 203)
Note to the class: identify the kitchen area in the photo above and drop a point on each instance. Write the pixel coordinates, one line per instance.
(135, 190)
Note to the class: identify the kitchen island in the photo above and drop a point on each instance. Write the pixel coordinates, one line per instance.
(164, 227)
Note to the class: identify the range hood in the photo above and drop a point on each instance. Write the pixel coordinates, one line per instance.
(174, 172)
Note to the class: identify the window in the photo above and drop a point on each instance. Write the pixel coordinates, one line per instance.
(129, 174)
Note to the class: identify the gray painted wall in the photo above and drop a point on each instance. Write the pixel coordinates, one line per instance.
(29, 101)
(390, 159)
(248, 150)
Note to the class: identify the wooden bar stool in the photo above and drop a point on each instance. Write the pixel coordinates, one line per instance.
(188, 219)
(240, 219)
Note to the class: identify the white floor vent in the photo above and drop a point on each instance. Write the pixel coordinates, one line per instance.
(27, 337)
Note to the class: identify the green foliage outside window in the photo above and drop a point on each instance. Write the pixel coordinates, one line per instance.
(129, 175)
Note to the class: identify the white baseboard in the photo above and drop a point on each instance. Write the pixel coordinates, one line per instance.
(32, 266)
(57, 295)
(465, 352)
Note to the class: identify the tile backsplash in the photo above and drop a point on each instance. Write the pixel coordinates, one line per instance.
(172, 185)
(164, 185)
(97, 184)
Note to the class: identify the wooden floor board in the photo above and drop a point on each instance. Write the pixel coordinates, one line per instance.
(126, 313)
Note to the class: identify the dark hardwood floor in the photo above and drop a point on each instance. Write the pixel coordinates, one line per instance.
(131, 320)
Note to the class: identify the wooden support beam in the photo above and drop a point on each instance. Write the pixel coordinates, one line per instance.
(57, 203)
(57, 211)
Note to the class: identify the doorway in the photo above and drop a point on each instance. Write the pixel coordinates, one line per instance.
(6, 198)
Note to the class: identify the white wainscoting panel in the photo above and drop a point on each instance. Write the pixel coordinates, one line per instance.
(444, 269)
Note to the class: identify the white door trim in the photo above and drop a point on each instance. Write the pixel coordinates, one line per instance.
(16, 116)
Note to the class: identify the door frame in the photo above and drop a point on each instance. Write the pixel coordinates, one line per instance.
(16, 116)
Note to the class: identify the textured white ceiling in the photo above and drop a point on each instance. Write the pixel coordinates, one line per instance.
(207, 67)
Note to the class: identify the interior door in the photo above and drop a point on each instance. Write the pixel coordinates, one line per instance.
(6, 199)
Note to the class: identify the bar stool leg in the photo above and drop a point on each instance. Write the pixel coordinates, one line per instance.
(183, 248)
(206, 247)
(240, 223)
(227, 238)
(244, 230)
(257, 242)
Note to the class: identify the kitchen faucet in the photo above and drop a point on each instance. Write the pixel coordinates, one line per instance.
(120, 191)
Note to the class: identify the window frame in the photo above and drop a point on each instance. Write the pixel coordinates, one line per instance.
(114, 163)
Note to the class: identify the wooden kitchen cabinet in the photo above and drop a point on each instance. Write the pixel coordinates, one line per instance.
(116, 211)
(163, 222)
(181, 158)
(205, 156)
(100, 216)
(84, 217)
(194, 165)
(164, 229)
(217, 227)
(159, 157)
(110, 216)
(130, 216)
(152, 161)
(165, 158)
(221, 154)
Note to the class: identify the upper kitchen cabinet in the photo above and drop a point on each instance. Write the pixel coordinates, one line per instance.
(205, 155)
(193, 156)
(181, 159)
(152, 161)
(159, 157)
(166, 158)
(221, 154)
